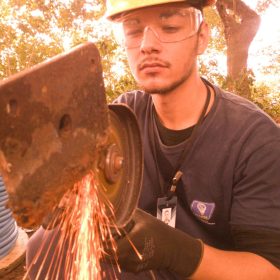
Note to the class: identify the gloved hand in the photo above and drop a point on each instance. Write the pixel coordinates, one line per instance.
(160, 247)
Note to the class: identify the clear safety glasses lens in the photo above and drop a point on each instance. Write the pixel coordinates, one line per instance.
(168, 25)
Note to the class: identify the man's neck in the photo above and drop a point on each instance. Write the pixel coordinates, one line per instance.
(182, 107)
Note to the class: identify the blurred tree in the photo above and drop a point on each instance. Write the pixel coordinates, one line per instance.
(234, 26)
(31, 31)
(34, 30)
(241, 24)
(263, 5)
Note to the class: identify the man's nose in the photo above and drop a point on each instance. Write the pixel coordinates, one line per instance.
(150, 41)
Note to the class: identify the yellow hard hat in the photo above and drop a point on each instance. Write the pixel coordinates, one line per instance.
(115, 7)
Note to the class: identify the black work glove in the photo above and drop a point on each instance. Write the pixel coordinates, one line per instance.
(160, 247)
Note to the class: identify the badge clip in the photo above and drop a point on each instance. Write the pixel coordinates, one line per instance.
(175, 181)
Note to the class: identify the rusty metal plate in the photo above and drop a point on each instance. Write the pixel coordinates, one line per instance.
(53, 121)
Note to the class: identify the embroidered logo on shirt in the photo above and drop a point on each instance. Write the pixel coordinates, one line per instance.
(203, 210)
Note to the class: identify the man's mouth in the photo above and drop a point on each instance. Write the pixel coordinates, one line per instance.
(152, 65)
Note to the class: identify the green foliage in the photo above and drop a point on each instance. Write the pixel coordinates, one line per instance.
(213, 67)
(247, 86)
(117, 76)
(269, 102)
(34, 30)
(211, 70)
(217, 39)
(258, 92)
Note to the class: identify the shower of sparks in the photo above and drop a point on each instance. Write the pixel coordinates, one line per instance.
(82, 233)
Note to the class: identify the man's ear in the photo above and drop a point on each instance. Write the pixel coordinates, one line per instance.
(203, 38)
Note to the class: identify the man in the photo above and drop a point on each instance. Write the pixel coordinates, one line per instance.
(210, 156)
(224, 149)
(166, 213)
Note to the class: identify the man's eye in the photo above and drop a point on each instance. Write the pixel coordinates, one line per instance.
(170, 29)
(133, 32)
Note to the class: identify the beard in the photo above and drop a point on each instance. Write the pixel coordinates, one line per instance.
(175, 84)
(189, 69)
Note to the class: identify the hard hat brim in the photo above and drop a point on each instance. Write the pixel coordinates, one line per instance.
(118, 7)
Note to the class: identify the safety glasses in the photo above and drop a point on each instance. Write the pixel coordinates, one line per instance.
(169, 25)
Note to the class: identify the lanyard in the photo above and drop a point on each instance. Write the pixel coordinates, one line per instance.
(177, 174)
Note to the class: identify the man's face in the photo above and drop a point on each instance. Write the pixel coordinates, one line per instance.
(162, 46)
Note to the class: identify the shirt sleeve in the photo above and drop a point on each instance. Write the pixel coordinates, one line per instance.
(263, 242)
(256, 189)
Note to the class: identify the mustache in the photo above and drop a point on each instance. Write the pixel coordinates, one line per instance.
(152, 62)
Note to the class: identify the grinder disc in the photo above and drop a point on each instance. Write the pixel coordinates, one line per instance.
(121, 164)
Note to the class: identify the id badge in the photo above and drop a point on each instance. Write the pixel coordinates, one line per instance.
(166, 210)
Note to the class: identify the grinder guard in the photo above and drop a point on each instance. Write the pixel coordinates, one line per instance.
(122, 173)
(56, 127)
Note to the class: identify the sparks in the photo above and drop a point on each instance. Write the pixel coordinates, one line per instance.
(84, 230)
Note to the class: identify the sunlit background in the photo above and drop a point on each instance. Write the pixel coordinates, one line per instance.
(31, 31)
(265, 49)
